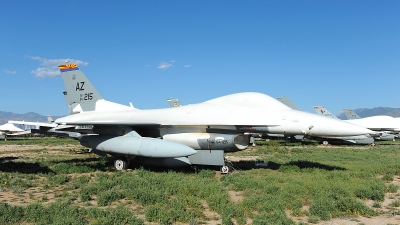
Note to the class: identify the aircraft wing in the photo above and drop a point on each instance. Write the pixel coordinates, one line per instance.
(33, 123)
(20, 133)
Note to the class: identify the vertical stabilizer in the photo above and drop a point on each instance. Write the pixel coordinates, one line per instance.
(49, 119)
(324, 112)
(350, 114)
(288, 102)
(81, 95)
(173, 102)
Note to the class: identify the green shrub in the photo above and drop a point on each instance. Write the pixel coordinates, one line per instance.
(388, 176)
(377, 205)
(395, 203)
(59, 179)
(119, 215)
(10, 214)
(276, 218)
(55, 213)
(323, 208)
(391, 188)
(108, 197)
(374, 190)
(313, 219)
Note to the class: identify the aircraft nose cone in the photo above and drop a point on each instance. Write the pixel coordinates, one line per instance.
(352, 130)
(333, 127)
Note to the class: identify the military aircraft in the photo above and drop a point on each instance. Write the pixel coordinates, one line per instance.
(52, 129)
(377, 133)
(389, 134)
(358, 139)
(10, 129)
(190, 134)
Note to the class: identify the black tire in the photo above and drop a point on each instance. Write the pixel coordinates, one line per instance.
(121, 164)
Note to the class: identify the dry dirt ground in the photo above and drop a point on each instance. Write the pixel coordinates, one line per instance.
(388, 214)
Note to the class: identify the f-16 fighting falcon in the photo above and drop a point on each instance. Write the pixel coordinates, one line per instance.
(190, 134)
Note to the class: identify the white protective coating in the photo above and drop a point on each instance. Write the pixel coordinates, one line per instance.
(378, 123)
(241, 109)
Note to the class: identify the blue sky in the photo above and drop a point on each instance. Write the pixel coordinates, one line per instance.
(340, 54)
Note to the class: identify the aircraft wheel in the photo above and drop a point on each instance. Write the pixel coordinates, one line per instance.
(226, 169)
(325, 143)
(121, 164)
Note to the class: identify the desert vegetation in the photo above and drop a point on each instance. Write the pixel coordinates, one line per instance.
(56, 181)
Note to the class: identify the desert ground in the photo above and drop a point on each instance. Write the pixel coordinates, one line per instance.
(50, 173)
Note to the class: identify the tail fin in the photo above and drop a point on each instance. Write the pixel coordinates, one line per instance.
(324, 112)
(174, 102)
(350, 114)
(81, 95)
(288, 102)
(49, 119)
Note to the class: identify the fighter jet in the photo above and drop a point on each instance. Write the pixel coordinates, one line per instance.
(190, 134)
(377, 123)
(358, 139)
(52, 129)
(376, 133)
(10, 129)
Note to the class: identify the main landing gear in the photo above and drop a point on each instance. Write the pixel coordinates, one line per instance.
(227, 168)
(121, 164)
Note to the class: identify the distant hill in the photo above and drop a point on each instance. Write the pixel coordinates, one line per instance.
(30, 117)
(377, 111)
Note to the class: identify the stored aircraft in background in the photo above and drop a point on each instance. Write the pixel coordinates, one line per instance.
(377, 123)
(10, 129)
(390, 134)
(357, 139)
(378, 134)
(191, 134)
(51, 128)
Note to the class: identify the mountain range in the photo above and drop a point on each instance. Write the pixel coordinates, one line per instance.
(34, 117)
(29, 117)
(377, 111)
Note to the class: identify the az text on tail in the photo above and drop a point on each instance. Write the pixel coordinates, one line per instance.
(81, 95)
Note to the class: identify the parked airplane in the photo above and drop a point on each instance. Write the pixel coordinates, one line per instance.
(377, 134)
(10, 129)
(191, 134)
(51, 128)
(385, 134)
(358, 139)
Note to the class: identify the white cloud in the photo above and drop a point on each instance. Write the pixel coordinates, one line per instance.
(10, 71)
(187, 66)
(46, 72)
(164, 65)
(50, 66)
(172, 61)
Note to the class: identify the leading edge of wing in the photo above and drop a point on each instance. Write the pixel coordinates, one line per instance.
(109, 123)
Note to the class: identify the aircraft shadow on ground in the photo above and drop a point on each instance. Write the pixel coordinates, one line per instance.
(8, 164)
(301, 164)
(100, 164)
